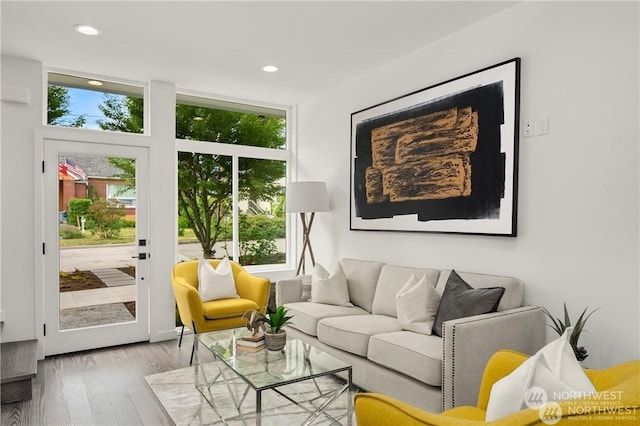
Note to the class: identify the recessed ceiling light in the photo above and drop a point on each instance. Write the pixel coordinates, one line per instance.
(270, 68)
(95, 82)
(86, 29)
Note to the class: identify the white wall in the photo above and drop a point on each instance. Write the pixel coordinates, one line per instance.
(17, 179)
(579, 185)
(18, 300)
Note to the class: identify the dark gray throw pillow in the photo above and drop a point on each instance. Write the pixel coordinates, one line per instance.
(460, 300)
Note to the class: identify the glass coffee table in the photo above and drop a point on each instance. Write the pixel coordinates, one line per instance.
(277, 371)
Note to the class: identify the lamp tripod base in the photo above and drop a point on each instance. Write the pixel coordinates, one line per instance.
(306, 242)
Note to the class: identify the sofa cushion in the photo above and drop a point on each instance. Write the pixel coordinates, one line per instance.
(417, 305)
(352, 333)
(329, 288)
(513, 288)
(461, 300)
(227, 308)
(362, 278)
(307, 314)
(216, 283)
(415, 355)
(392, 279)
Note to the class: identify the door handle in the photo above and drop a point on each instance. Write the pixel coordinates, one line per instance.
(141, 256)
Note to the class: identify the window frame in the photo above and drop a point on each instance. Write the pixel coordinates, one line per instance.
(146, 119)
(246, 151)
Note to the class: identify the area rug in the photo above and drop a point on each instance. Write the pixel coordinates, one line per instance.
(176, 392)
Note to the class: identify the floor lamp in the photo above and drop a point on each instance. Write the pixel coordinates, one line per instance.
(306, 198)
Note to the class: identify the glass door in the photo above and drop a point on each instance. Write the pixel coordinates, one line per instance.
(96, 249)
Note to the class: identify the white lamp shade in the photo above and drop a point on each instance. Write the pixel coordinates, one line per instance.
(307, 197)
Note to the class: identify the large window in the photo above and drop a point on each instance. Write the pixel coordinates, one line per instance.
(94, 104)
(232, 163)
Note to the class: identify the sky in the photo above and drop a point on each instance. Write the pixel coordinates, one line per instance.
(86, 102)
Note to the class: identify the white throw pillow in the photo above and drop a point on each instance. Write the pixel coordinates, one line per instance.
(329, 289)
(216, 283)
(552, 374)
(417, 304)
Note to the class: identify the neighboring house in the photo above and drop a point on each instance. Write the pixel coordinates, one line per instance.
(77, 173)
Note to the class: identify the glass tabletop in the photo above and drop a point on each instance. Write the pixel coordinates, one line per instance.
(268, 369)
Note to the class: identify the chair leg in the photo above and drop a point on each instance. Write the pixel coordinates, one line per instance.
(193, 348)
(181, 333)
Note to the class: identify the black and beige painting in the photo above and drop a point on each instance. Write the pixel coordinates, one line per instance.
(439, 160)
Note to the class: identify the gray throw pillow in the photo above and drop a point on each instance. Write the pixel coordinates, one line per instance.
(460, 300)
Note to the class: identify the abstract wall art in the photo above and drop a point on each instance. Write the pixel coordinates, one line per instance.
(443, 159)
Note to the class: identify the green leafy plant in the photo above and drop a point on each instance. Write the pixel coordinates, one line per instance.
(107, 215)
(560, 326)
(76, 209)
(275, 320)
(68, 232)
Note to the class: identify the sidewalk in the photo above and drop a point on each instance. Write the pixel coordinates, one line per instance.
(100, 306)
(98, 296)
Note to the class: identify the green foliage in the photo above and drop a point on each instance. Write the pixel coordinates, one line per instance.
(183, 223)
(58, 108)
(257, 239)
(122, 113)
(107, 215)
(68, 232)
(127, 168)
(259, 227)
(204, 180)
(275, 319)
(578, 327)
(128, 223)
(77, 208)
(258, 252)
(92, 193)
(279, 207)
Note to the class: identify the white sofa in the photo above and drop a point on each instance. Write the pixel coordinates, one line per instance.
(434, 373)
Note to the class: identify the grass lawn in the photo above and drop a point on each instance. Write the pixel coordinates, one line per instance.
(127, 235)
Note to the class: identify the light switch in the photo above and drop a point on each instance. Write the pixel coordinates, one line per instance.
(542, 126)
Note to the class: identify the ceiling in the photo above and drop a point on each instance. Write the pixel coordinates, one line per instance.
(219, 47)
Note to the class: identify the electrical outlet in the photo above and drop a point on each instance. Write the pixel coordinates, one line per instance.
(542, 126)
(527, 128)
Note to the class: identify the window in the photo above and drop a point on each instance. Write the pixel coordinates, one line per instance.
(209, 120)
(125, 194)
(232, 164)
(92, 104)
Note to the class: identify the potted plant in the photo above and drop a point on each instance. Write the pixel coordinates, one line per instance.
(559, 326)
(275, 337)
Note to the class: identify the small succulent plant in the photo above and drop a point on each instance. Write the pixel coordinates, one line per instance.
(275, 320)
(560, 326)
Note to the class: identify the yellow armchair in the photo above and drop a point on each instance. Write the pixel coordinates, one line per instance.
(617, 401)
(202, 317)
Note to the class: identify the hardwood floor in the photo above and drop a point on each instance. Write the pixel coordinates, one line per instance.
(99, 387)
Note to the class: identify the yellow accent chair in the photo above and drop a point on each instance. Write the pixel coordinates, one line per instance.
(202, 317)
(617, 401)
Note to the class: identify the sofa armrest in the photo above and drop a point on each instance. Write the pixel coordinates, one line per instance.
(469, 342)
(288, 291)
